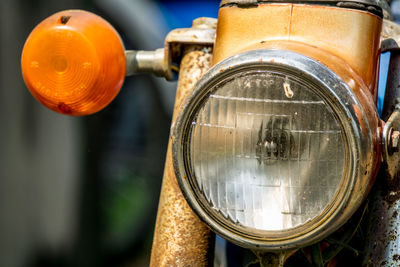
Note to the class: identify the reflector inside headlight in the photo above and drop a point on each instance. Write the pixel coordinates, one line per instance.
(271, 150)
(266, 151)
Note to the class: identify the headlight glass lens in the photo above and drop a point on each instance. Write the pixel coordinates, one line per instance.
(266, 151)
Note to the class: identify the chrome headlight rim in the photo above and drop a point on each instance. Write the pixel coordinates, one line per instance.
(334, 91)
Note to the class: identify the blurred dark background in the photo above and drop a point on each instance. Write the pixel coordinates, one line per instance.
(83, 191)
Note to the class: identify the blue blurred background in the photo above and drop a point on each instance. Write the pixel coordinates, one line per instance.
(84, 191)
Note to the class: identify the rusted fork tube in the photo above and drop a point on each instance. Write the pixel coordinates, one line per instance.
(382, 246)
(180, 238)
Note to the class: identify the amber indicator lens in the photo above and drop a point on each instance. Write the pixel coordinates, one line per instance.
(73, 62)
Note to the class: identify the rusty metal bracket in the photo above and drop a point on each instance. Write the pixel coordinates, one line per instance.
(390, 36)
(165, 62)
(383, 221)
(391, 143)
(203, 32)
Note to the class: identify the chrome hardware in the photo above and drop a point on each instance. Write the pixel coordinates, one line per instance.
(164, 62)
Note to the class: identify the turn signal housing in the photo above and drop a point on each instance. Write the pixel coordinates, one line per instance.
(74, 63)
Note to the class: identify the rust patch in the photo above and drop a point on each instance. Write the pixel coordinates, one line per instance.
(395, 214)
(180, 238)
(64, 19)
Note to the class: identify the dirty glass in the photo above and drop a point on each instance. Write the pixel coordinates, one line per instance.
(266, 151)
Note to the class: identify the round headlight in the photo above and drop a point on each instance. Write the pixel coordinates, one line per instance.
(267, 150)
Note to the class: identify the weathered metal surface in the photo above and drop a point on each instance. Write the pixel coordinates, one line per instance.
(390, 146)
(352, 35)
(180, 238)
(391, 114)
(390, 37)
(383, 234)
(203, 32)
(164, 62)
(392, 93)
(367, 5)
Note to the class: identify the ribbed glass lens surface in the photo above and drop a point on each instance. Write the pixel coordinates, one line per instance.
(266, 151)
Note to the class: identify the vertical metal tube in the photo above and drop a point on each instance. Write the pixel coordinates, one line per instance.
(392, 94)
(382, 247)
(180, 238)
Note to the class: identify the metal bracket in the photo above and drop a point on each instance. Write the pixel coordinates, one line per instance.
(391, 143)
(164, 62)
(390, 36)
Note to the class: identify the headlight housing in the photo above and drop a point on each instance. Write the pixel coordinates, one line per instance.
(271, 150)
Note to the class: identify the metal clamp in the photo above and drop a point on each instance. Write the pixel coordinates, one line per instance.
(164, 62)
(390, 36)
(391, 143)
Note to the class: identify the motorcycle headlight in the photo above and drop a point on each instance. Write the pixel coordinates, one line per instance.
(268, 149)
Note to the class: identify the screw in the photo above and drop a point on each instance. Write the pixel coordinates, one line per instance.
(395, 140)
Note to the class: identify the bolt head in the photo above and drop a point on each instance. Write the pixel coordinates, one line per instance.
(395, 139)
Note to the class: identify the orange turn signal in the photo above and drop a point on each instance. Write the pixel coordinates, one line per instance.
(74, 63)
